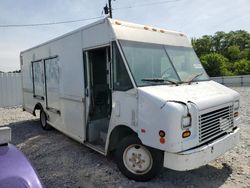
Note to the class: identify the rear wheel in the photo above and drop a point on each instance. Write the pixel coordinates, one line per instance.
(137, 161)
(43, 121)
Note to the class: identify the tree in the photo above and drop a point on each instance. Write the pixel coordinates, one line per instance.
(203, 45)
(215, 64)
(224, 53)
(242, 67)
(240, 38)
(233, 52)
(245, 54)
(219, 42)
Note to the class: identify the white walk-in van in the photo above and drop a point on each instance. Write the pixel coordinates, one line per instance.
(136, 91)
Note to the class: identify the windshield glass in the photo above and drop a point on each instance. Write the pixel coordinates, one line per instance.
(152, 63)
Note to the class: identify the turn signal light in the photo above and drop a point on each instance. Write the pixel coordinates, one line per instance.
(162, 134)
(162, 140)
(186, 134)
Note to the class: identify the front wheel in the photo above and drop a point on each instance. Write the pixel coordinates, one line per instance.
(136, 161)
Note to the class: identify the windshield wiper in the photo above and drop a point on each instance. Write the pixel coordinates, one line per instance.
(195, 76)
(159, 80)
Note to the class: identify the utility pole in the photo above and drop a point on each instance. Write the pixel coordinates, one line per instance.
(108, 9)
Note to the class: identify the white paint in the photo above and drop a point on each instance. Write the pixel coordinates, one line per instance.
(151, 108)
(135, 32)
(204, 94)
(195, 158)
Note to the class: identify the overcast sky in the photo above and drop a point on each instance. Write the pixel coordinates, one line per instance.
(193, 17)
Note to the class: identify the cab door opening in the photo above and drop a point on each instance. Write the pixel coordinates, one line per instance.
(99, 95)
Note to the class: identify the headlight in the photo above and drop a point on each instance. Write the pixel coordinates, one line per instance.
(186, 122)
(236, 105)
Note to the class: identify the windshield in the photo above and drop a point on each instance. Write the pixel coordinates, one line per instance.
(153, 64)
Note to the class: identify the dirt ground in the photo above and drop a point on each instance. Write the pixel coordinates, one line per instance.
(62, 162)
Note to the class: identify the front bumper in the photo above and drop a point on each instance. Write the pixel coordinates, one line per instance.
(197, 157)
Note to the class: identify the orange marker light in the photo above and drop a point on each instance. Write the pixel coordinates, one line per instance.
(186, 134)
(162, 140)
(118, 23)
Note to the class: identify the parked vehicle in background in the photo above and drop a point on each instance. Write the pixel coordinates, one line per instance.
(136, 90)
(15, 169)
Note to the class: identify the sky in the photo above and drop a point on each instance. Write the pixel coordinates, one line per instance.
(193, 17)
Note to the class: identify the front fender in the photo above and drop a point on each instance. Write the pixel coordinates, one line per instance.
(155, 115)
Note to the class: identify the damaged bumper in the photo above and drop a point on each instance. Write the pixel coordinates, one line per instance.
(197, 157)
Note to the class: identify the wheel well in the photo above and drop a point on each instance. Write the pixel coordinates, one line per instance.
(118, 133)
(37, 107)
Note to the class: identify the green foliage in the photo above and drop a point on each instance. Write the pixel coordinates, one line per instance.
(215, 64)
(245, 54)
(233, 52)
(242, 67)
(224, 53)
(203, 45)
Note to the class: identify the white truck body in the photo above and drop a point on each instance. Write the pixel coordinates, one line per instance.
(60, 77)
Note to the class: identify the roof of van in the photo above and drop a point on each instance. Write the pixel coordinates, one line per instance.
(142, 33)
(131, 31)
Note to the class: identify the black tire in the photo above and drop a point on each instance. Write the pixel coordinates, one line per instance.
(43, 121)
(133, 143)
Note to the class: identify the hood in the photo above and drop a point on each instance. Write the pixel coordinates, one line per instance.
(204, 94)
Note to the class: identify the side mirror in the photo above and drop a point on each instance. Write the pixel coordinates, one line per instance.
(5, 135)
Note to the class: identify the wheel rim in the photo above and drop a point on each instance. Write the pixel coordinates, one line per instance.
(137, 159)
(43, 119)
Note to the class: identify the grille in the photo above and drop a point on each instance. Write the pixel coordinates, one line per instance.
(215, 123)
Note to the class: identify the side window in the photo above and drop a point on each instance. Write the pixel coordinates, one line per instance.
(121, 80)
(52, 82)
(38, 78)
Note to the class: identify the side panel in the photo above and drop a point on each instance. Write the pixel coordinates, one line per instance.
(66, 91)
(98, 35)
(65, 83)
(29, 101)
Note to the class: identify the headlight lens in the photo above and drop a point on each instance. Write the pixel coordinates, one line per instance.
(236, 105)
(186, 122)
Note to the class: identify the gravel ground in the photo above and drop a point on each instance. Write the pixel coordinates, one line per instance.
(62, 162)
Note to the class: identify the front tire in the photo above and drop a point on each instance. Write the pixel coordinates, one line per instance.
(136, 161)
(43, 121)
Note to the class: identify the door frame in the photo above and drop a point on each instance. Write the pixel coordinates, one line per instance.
(87, 79)
(45, 86)
(45, 90)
